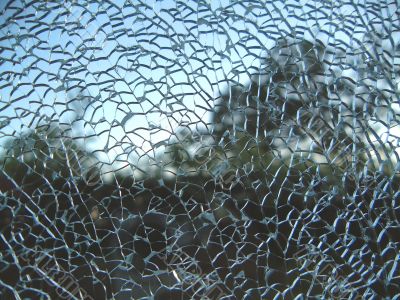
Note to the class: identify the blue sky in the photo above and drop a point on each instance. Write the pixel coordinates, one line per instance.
(145, 81)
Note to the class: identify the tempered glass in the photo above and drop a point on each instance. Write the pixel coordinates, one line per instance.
(199, 149)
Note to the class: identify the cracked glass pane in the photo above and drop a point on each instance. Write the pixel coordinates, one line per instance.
(199, 149)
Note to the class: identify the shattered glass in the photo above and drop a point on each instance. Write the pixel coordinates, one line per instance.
(199, 149)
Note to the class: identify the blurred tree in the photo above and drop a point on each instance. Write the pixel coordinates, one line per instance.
(296, 113)
(44, 155)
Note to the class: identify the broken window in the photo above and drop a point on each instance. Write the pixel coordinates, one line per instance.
(199, 149)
